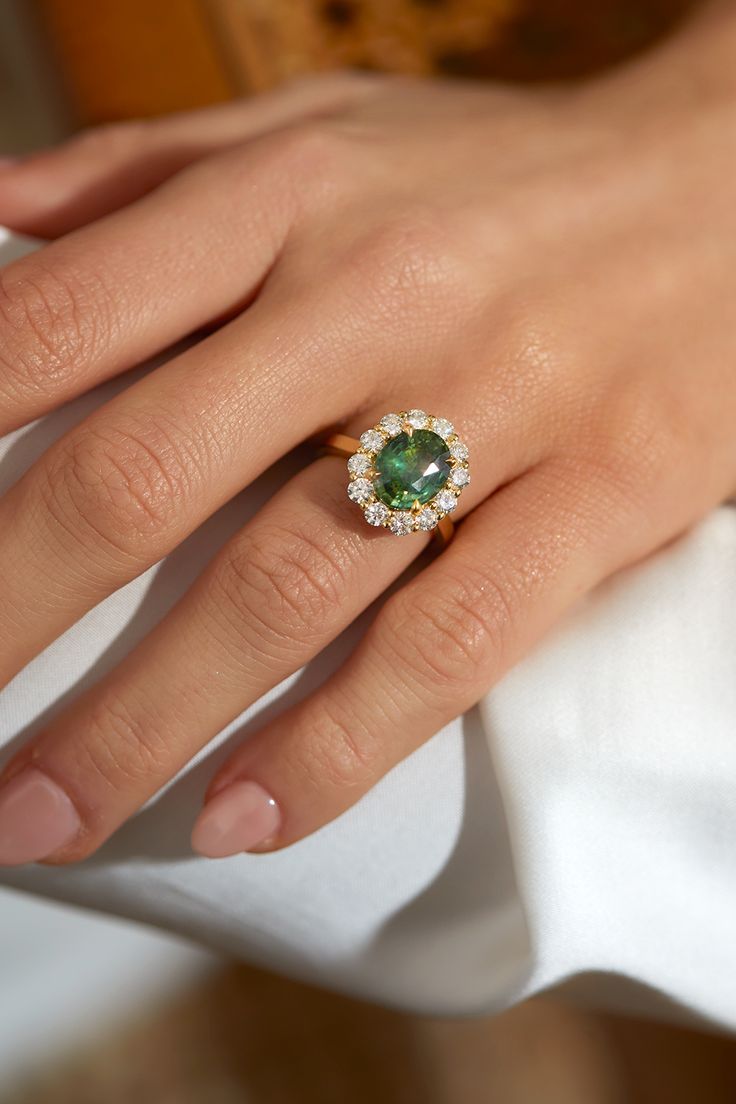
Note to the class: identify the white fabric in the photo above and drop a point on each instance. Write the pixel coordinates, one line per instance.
(580, 824)
(69, 978)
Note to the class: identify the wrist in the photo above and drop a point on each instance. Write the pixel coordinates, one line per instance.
(698, 59)
(689, 72)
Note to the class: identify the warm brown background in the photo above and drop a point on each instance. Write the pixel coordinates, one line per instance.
(123, 58)
(250, 1038)
(247, 1037)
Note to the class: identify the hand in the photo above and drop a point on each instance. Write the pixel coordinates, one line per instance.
(552, 271)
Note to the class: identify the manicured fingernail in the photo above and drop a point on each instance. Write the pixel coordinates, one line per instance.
(36, 818)
(237, 819)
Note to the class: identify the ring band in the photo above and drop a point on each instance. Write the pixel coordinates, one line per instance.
(406, 472)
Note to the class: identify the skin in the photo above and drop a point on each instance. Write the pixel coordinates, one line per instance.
(554, 271)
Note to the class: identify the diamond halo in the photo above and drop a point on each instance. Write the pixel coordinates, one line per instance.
(417, 480)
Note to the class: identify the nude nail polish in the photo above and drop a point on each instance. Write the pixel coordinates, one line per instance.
(37, 818)
(237, 819)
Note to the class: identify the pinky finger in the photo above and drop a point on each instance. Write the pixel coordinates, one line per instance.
(435, 648)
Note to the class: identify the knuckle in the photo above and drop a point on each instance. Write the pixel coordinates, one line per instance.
(452, 638)
(121, 485)
(297, 164)
(410, 264)
(536, 367)
(287, 583)
(287, 173)
(121, 748)
(336, 754)
(53, 321)
(642, 438)
(112, 140)
(312, 151)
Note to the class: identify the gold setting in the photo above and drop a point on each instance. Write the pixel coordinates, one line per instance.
(360, 486)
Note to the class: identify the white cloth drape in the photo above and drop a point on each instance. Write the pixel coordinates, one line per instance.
(580, 824)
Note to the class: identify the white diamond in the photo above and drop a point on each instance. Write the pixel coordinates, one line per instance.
(459, 450)
(376, 513)
(371, 440)
(401, 523)
(460, 477)
(428, 518)
(417, 418)
(442, 426)
(359, 464)
(445, 501)
(360, 490)
(391, 424)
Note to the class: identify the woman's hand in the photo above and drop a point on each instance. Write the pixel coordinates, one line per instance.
(554, 272)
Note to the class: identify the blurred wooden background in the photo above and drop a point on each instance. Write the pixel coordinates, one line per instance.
(246, 1037)
(124, 58)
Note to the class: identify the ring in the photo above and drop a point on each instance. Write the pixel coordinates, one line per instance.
(406, 472)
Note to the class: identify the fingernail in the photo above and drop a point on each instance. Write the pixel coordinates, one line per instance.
(36, 818)
(8, 162)
(237, 819)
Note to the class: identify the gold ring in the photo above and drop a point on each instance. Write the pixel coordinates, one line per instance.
(406, 472)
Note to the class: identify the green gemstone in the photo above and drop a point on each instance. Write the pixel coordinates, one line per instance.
(411, 469)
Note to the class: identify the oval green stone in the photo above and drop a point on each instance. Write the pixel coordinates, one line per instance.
(411, 469)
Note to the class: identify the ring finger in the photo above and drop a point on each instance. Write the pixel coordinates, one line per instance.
(436, 646)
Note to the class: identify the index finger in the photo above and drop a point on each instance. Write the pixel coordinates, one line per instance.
(109, 296)
(101, 170)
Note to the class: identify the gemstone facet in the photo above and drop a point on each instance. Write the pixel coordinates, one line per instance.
(411, 469)
(427, 518)
(446, 501)
(401, 524)
(371, 440)
(442, 426)
(391, 424)
(360, 490)
(376, 513)
(460, 477)
(459, 450)
(417, 418)
(359, 463)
